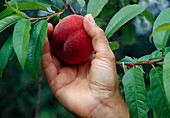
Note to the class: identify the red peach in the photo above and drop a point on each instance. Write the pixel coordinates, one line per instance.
(70, 42)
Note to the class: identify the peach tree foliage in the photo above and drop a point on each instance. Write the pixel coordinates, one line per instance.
(28, 37)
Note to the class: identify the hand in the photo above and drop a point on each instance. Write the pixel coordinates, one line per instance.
(89, 89)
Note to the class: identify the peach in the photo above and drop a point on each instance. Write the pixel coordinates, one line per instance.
(70, 42)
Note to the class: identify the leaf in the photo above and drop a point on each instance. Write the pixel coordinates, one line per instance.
(24, 6)
(64, 1)
(135, 93)
(159, 100)
(148, 15)
(15, 10)
(122, 17)
(160, 28)
(160, 39)
(114, 45)
(35, 48)
(45, 3)
(108, 10)
(5, 54)
(95, 7)
(16, 3)
(145, 58)
(81, 3)
(21, 37)
(128, 60)
(8, 21)
(128, 36)
(166, 75)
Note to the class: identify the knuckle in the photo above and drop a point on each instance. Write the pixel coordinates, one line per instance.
(101, 32)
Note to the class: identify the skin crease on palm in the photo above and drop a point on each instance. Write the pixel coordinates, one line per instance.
(89, 89)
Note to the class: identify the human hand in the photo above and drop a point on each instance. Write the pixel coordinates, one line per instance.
(89, 89)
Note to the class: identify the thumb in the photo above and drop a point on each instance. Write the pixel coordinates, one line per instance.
(99, 40)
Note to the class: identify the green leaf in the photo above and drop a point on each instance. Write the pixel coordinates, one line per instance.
(15, 10)
(147, 1)
(166, 75)
(35, 48)
(114, 45)
(16, 3)
(160, 28)
(148, 15)
(135, 93)
(45, 3)
(24, 6)
(81, 3)
(128, 36)
(95, 7)
(8, 21)
(128, 59)
(145, 58)
(21, 37)
(122, 17)
(108, 10)
(160, 39)
(5, 54)
(159, 100)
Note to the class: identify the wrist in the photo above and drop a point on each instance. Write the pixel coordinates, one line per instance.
(113, 107)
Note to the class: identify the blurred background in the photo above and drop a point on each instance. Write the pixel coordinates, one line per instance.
(18, 91)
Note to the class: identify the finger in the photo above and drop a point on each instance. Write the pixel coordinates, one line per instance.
(99, 40)
(50, 68)
(50, 30)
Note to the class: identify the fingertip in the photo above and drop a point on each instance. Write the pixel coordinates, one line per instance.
(50, 30)
(89, 25)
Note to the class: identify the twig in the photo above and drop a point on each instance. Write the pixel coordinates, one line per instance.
(49, 15)
(141, 63)
(71, 8)
(38, 95)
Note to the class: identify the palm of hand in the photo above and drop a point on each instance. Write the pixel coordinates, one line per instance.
(80, 88)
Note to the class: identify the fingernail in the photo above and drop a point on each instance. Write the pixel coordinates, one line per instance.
(91, 19)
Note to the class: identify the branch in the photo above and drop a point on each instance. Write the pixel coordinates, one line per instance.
(49, 15)
(71, 8)
(38, 95)
(68, 6)
(141, 63)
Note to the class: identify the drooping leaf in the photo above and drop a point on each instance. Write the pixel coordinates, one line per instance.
(166, 75)
(135, 93)
(165, 26)
(148, 15)
(23, 6)
(95, 7)
(114, 45)
(5, 54)
(160, 39)
(108, 10)
(122, 17)
(159, 100)
(128, 36)
(8, 21)
(81, 2)
(35, 48)
(21, 37)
